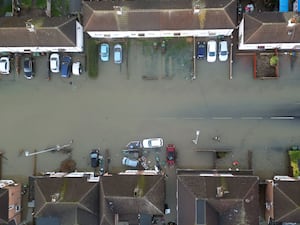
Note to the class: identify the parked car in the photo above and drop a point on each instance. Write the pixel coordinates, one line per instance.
(28, 68)
(134, 145)
(130, 162)
(171, 154)
(211, 51)
(76, 68)
(104, 52)
(153, 143)
(201, 50)
(4, 65)
(118, 54)
(54, 63)
(66, 66)
(94, 156)
(223, 51)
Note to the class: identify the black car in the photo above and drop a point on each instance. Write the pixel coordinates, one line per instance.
(28, 68)
(201, 50)
(95, 156)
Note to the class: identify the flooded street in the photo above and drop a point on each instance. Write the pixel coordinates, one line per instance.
(119, 107)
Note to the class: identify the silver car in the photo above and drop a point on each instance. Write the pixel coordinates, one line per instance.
(130, 162)
(118, 54)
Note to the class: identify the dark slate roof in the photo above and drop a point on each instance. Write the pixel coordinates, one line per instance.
(238, 206)
(78, 200)
(143, 15)
(3, 206)
(269, 27)
(133, 194)
(286, 201)
(49, 32)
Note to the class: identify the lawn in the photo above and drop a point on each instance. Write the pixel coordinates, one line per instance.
(92, 59)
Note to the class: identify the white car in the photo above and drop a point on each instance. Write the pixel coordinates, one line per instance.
(118, 54)
(223, 51)
(76, 68)
(4, 65)
(211, 51)
(153, 143)
(54, 63)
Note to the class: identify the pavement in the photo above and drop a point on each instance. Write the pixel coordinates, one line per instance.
(120, 106)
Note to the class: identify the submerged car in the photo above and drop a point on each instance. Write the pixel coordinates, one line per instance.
(118, 54)
(4, 65)
(54, 63)
(104, 52)
(130, 162)
(211, 51)
(134, 145)
(223, 51)
(201, 50)
(28, 68)
(171, 154)
(66, 66)
(153, 143)
(94, 156)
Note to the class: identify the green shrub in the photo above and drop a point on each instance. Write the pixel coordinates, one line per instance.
(92, 59)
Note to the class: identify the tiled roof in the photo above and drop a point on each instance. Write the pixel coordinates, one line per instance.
(159, 15)
(286, 201)
(133, 194)
(238, 205)
(48, 32)
(3, 206)
(270, 27)
(77, 201)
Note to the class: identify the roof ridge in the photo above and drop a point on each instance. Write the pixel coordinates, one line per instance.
(86, 193)
(44, 205)
(287, 197)
(58, 28)
(186, 186)
(288, 213)
(154, 185)
(257, 30)
(254, 183)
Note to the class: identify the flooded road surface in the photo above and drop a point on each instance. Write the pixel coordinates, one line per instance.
(119, 107)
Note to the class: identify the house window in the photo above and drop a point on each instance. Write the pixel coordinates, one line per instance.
(176, 34)
(106, 35)
(141, 35)
(261, 47)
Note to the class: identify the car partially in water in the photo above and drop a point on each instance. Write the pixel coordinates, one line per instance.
(211, 51)
(130, 162)
(171, 154)
(104, 52)
(66, 66)
(201, 50)
(223, 51)
(153, 143)
(54, 63)
(118, 54)
(4, 65)
(28, 68)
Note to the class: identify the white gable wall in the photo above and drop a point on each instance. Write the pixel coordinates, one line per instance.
(159, 34)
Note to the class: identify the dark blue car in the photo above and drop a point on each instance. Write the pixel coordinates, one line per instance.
(66, 66)
(201, 50)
